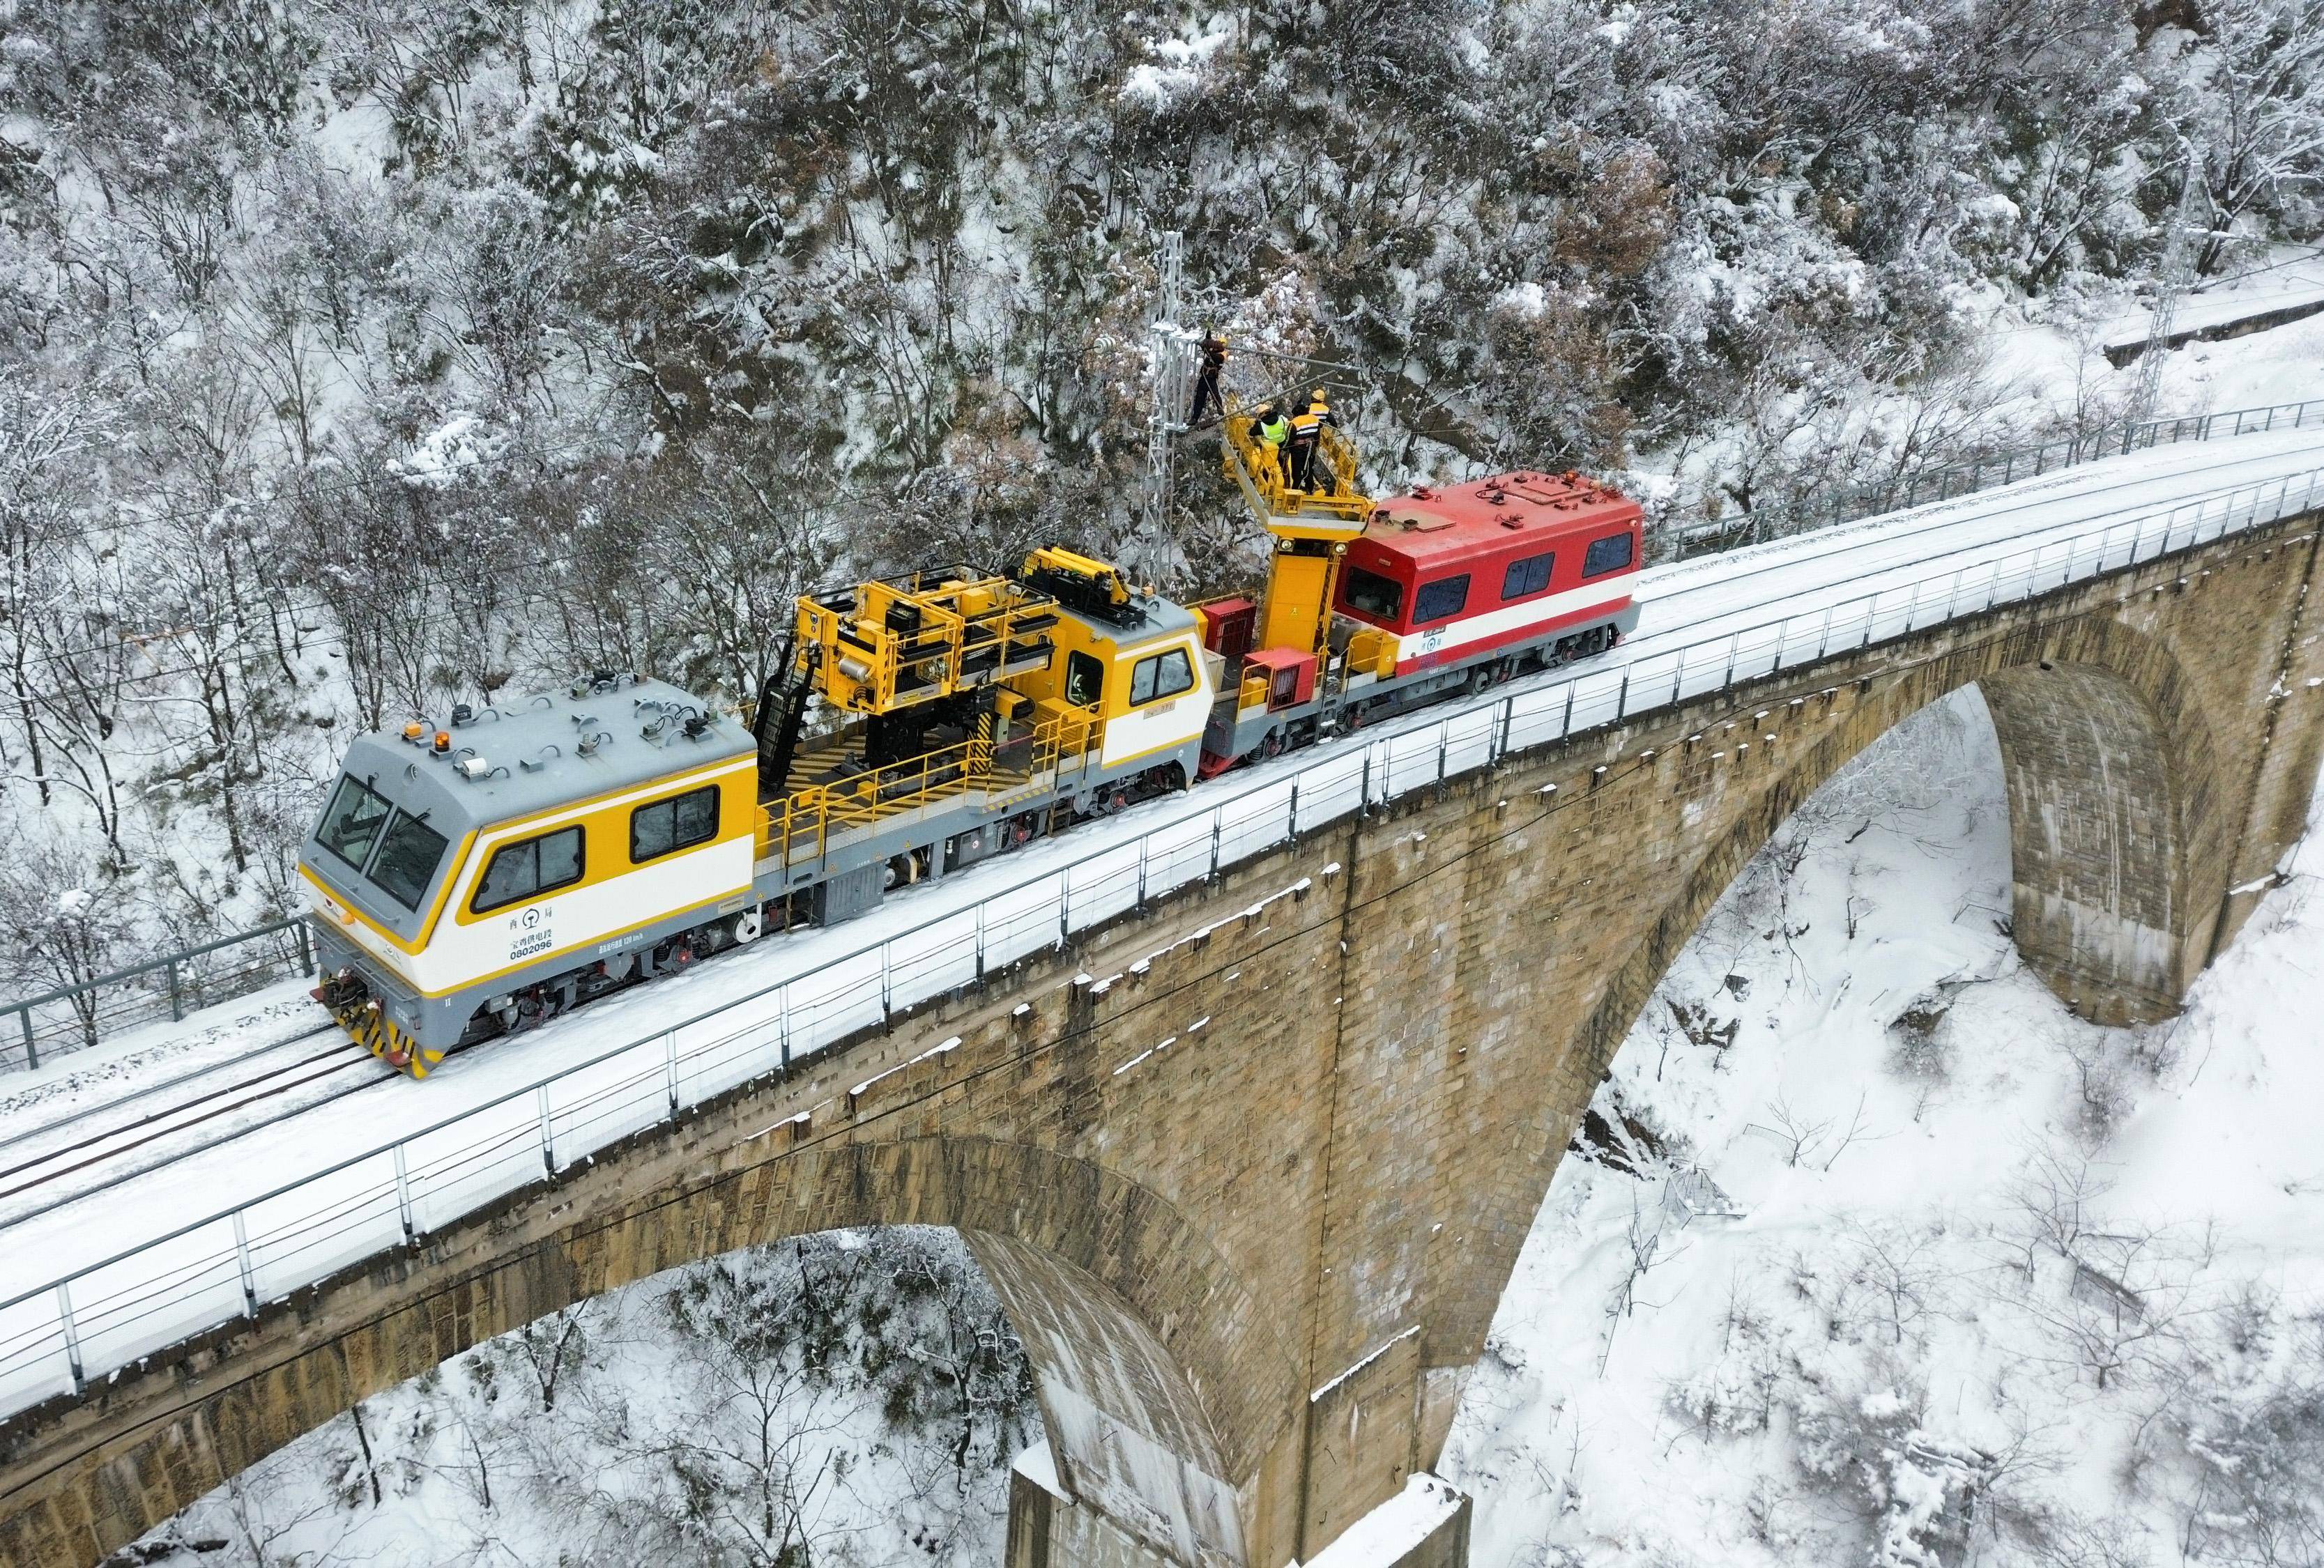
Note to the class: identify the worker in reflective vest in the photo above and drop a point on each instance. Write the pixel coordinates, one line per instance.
(1306, 434)
(1273, 429)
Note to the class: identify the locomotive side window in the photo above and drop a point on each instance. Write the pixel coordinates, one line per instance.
(1164, 675)
(1370, 593)
(518, 871)
(678, 823)
(1529, 576)
(1610, 554)
(406, 862)
(1436, 601)
(352, 823)
(1084, 680)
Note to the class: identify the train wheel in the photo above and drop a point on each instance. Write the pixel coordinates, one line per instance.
(745, 927)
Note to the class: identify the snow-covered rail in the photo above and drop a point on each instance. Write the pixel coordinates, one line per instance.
(1845, 502)
(91, 1289)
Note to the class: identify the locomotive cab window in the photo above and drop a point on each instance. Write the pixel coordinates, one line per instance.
(1370, 593)
(1610, 554)
(1440, 600)
(1529, 576)
(1164, 675)
(406, 861)
(678, 823)
(351, 823)
(1084, 680)
(520, 872)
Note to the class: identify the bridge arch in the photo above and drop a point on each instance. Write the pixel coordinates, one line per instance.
(1158, 1378)
(2119, 852)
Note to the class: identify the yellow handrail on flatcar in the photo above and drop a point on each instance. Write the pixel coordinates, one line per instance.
(803, 822)
(1258, 469)
(886, 645)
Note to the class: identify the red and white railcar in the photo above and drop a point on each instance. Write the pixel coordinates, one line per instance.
(1518, 563)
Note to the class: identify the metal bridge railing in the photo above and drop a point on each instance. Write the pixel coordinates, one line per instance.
(59, 1331)
(171, 986)
(1850, 503)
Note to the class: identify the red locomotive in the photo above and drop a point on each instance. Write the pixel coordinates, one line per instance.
(1516, 563)
(1432, 591)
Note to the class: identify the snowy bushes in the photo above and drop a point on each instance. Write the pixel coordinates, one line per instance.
(725, 294)
(847, 1399)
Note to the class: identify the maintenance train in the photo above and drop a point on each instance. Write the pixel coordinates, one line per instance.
(480, 875)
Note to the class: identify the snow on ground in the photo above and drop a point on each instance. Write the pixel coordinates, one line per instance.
(2227, 307)
(1879, 1256)
(137, 1059)
(2060, 365)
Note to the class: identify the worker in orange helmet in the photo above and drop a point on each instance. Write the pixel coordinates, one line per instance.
(1306, 434)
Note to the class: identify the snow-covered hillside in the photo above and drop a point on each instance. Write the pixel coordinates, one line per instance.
(1876, 1255)
(358, 357)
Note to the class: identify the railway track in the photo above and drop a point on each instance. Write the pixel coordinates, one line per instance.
(35, 1170)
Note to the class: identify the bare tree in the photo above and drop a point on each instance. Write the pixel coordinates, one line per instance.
(47, 442)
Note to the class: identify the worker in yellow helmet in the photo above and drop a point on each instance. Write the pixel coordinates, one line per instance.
(1306, 434)
(1272, 428)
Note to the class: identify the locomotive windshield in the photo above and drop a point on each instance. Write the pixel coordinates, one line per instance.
(397, 851)
(351, 823)
(406, 861)
(1370, 593)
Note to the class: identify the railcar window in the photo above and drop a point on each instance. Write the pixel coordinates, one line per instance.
(1529, 576)
(1370, 593)
(1084, 680)
(1164, 675)
(351, 823)
(1444, 597)
(678, 823)
(1609, 554)
(409, 852)
(518, 871)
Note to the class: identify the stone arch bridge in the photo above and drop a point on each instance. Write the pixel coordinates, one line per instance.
(1250, 1168)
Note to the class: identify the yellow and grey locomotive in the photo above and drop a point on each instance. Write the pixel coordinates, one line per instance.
(482, 876)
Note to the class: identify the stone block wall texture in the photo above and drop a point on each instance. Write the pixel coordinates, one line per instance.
(1363, 1437)
(1223, 1152)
